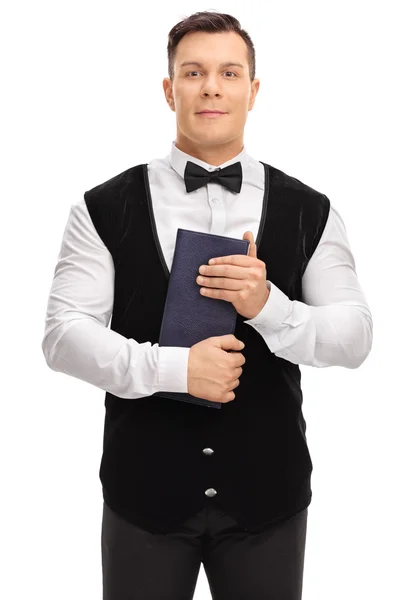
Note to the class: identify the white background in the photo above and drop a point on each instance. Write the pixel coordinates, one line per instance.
(83, 101)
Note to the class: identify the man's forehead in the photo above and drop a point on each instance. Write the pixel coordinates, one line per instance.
(232, 44)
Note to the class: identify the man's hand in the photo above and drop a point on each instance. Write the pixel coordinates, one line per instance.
(240, 279)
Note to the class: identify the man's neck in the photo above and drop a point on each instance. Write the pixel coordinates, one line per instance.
(213, 155)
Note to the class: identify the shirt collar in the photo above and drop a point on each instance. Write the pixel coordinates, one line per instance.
(178, 159)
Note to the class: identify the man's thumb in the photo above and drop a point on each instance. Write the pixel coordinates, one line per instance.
(230, 341)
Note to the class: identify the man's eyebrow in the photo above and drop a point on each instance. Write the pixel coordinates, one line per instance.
(198, 64)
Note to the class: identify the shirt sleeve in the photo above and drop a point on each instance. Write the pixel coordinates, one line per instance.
(333, 326)
(77, 340)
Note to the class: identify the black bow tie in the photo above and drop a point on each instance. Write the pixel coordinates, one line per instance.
(230, 176)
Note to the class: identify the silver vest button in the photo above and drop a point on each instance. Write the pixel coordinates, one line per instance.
(210, 492)
(208, 451)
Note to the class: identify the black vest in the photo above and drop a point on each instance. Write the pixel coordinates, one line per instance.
(160, 456)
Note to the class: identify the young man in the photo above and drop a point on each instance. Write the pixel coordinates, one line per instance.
(184, 484)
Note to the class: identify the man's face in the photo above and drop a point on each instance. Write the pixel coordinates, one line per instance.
(211, 85)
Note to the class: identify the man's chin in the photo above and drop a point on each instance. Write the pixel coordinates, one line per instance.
(208, 137)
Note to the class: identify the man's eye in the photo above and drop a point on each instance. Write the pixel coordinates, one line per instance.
(225, 72)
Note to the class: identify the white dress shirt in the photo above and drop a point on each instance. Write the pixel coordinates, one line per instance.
(333, 326)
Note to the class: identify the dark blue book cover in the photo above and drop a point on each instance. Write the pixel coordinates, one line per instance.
(188, 316)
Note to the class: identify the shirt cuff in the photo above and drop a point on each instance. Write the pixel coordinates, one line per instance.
(271, 319)
(173, 369)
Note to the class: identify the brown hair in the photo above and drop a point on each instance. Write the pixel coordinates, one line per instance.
(211, 22)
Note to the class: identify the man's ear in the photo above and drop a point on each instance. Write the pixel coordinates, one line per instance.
(255, 85)
(167, 87)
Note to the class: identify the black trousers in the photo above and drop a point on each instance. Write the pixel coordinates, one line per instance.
(139, 565)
